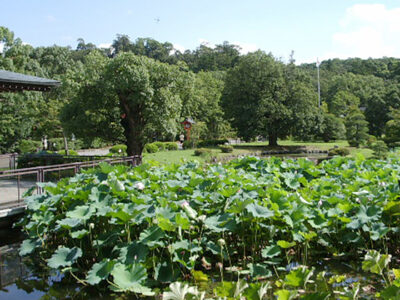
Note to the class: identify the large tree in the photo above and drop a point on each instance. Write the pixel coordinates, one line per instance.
(262, 96)
(131, 91)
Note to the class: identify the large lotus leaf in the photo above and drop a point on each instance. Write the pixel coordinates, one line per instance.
(184, 244)
(34, 202)
(28, 246)
(298, 277)
(316, 296)
(259, 211)
(82, 212)
(271, 251)
(378, 230)
(221, 222)
(391, 293)
(285, 244)
(292, 180)
(64, 257)
(79, 234)
(130, 278)
(165, 224)
(375, 262)
(164, 272)
(100, 271)
(107, 238)
(182, 221)
(151, 236)
(69, 223)
(286, 294)
(134, 252)
(259, 271)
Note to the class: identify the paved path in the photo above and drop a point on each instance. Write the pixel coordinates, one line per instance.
(9, 190)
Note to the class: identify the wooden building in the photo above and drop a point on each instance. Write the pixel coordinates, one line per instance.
(16, 82)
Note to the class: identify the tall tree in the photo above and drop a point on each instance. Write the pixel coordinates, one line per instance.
(140, 90)
(262, 97)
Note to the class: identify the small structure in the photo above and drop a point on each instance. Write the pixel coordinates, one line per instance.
(187, 125)
(16, 82)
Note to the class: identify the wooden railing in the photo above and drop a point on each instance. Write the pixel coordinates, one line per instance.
(38, 174)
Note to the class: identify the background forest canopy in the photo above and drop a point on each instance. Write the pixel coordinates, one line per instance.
(140, 91)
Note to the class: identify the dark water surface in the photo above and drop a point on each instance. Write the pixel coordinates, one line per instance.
(20, 279)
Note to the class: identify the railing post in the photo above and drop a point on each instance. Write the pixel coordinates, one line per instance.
(40, 178)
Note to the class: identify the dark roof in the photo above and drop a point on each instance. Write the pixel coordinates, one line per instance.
(13, 82)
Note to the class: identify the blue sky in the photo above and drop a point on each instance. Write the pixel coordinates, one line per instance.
(324, 28)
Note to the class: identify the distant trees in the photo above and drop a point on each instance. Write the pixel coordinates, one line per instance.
(225, 92)
(262, 96)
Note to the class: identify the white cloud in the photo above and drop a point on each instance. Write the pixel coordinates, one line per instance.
(50, 18)
(104, 45)
(178, 47)
(1, 47)
(367, 30)
(246, 47)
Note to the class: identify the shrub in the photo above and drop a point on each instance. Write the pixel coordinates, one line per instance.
(71, 152)
(171, 146)
(380, 149)
(202, 151)
(189, 145)
(118, 150)
(339, 152)
(56, 144)
(212, 143)
(150, 148)
(43, 158)
(226, 148)
(28, 146)
(160, 145)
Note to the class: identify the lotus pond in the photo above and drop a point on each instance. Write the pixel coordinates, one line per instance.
(249, 229)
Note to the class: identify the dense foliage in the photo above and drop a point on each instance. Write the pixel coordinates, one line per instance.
(140, 229)
(368, 87)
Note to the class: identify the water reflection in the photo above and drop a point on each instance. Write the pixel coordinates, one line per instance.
(23, 278)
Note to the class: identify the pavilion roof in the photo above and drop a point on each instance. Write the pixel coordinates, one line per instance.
(15, 82)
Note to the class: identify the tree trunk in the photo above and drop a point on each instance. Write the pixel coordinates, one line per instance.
(273, 139)
(65, 143)
(131, 123)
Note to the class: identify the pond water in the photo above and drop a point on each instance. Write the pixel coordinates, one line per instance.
(21, 279)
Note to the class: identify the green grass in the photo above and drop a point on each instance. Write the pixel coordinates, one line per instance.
(168, 157)
(171, 157)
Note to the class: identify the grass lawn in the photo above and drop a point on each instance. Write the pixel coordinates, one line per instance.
(167, 157)
(320, 145)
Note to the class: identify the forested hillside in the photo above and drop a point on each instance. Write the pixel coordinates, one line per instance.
(141, 90)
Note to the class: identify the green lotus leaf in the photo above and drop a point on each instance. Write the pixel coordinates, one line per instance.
(83, 212)
(271, 251)
(79, 234)
(259, 211)
(151, 236)
(286, 294)
(64, 257)
(316, 296)
(100, 271)
(285, 244)
(28, 246)
(391, 293)
(134, 252)
(375, 262)
(164, 272)
(259, 270)
(130, 278)
(298, 277)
